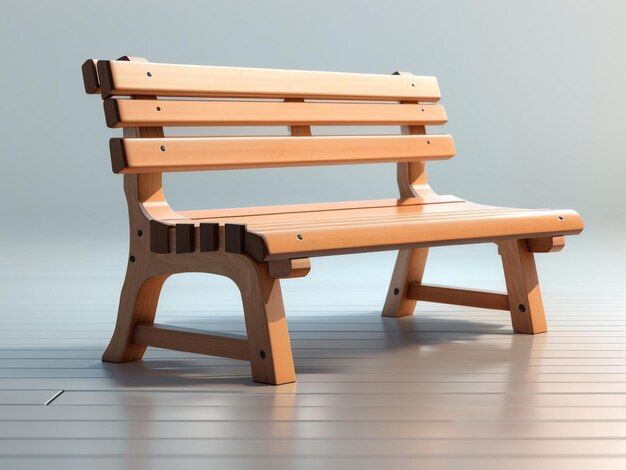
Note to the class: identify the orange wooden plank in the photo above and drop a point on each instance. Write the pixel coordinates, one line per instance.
(136, 78)
(222, 153)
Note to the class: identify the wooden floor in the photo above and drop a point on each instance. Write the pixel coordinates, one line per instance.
(449, 387)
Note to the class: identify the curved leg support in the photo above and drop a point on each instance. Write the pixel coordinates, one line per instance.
(267, 334)
(138, 304)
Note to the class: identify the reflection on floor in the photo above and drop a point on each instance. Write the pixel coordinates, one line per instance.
(444, 388)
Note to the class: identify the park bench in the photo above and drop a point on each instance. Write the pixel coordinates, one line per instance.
(258, 246)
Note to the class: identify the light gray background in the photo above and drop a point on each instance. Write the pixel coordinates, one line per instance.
(534, 92)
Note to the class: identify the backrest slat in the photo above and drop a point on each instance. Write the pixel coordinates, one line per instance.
(136, 78)
(222, 153)
(165, 95)
(132, 113)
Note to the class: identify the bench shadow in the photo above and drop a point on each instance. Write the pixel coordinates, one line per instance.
(365, 339)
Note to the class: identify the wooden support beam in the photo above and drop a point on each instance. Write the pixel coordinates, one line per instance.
(193, 341)
(289, 268)
(522, 285)
(448, 295)
(546, 244)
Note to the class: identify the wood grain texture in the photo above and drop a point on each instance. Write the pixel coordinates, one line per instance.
(170, 113)
(408, 269)
(223, 153)
(455, 296)
(546, 244)
(318, 238)
(131, 78)
(300, 209)
(198, 342)
(289, 268)
(522, 285)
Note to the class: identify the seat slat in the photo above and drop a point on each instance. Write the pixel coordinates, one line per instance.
(132, 113)
(363, 216)
(222, 153)
(372, 235)
(136, 78)
(300, 209)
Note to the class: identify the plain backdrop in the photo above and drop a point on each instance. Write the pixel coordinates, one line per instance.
(534, 92)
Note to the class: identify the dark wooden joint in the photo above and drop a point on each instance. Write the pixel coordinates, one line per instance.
(209, 237)
(118, 154)
(106, 78)
(255, 247)
(111, 113)
(235, 238)
(90, 77)
(159, 238)
(185, 238)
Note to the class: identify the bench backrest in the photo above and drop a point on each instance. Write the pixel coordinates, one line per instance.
(229, 96)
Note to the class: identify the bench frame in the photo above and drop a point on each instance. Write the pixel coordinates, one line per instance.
(267, 344)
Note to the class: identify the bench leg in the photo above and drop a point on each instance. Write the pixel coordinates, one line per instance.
(138, 304)
(522, 285)
(271, 359)
(409, 269)
(267, 335)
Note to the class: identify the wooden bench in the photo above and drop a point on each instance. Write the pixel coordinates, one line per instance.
(256, 247)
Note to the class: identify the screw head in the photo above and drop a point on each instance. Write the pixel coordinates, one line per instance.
(149, 74)
(300, 236)
(132, 259)
(396, 291)
(162, 148)
(158, 108)
(262, 354)
(139, 233)
(522, 308)
(561, 218)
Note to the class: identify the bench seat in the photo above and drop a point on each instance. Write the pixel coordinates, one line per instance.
(283, 232)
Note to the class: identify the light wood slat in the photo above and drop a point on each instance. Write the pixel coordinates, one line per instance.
(546, 245)
(454, 296)
(193, 341)
(358, 216)
(283, 242)
(367, 216)
(136, 78)
(289, 268)
(315, 207)
(130, 113)
(222, 153)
